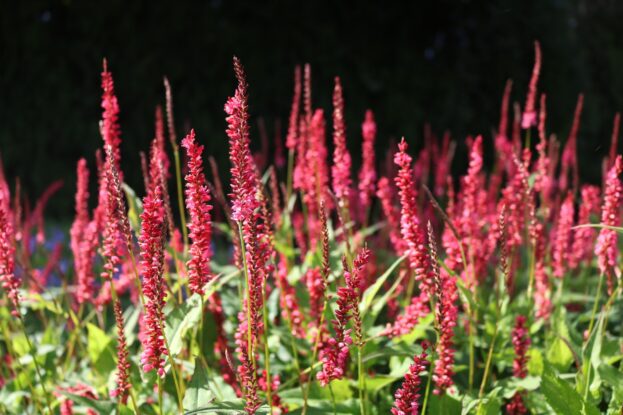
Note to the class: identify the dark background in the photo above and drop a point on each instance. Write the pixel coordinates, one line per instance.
(444, 62)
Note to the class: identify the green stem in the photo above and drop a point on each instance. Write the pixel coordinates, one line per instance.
(428, 383)
(595, 305)
(361, 379)
(243, 254)
(266, 353)
(333, 399)
(160, 400)
(37, 368)
(488, 364)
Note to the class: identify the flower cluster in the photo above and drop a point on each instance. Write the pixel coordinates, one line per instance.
(408, 395)
(152, 266)
(562, 239)
(200, 225)
(334, 353)
(340, 170)
(367, 174)
(529, 114)
(123, 363)
(521, 342)
(10, 281)
(606, 248)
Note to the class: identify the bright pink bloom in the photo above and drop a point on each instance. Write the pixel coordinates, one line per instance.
(243, 177)
(37, 214)
(290, 310)
(293, 125)
(472, 219)
(502, 135)
(109, 126)
(123, 363)
(200, 224)
(334, 352)
(447, 316)
(367, 174)
(521, 343)
(412, 314)
(160, 140)
(84, 238)
(341, 157)
(116, 235)
(529, 114)
(10, 282)
(274, 387)
(410, 227)
(584, 237)
(543, 181)
(514, 197)
(614, 140)
(562, 238)
(151, 242)
(569, 159)
(406, 398)
(542, 288)
(607, 248)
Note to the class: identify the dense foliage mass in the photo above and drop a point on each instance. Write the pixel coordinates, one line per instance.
(310, 288)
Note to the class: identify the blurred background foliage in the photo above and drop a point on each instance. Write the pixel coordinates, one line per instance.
(442, 62)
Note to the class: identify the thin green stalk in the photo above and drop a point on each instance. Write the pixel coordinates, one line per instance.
(488, 364)
(179, 386)
(160, 400)
(333, 399)
(37, 368)
(596, 304)
(361, 379)
(428, 383)
(266, 353)
(134, 404)
(243, 254)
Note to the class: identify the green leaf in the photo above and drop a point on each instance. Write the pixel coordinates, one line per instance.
(100, 349)
(563, 398)
(612, 377)
(443, 405)
(179, 320)
(489, 406)
(100, 406)
(378, 382)
(370, 293)
(198, 393)
(559, 354)
(535, 362)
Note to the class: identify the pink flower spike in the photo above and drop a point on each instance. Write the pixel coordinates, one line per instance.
(293, 125)
(529, 117)
(606, 248)
(408, 395)
(151, 242)
(341, 157)
(367, 174)
(200, 224)
(243, 177)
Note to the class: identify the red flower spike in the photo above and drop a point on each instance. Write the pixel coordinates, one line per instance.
(200, 223)
(528, 118)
